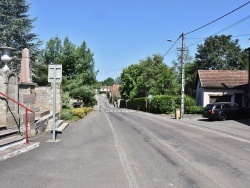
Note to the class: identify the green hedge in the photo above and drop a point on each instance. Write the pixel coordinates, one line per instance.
(163, 104)
(139, 104)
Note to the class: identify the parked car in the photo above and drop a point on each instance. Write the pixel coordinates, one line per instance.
(76, 104)
(221, 111)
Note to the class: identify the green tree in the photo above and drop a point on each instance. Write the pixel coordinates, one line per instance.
(190, 73)
(15, 29)
(156, 77)
(79, 76)
(221, 53)
(108, 82)
(51, 54)
(129, 80)
(150, 76)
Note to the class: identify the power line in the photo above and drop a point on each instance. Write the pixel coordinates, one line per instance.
(218, 18)
(232, 25)
(110, 71)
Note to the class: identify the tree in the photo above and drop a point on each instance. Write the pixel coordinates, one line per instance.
(15, 29)
(79, 76)
(108, 82)
(51, 54)
(156, 77)
(129, 80)
(221, 53)
(118, 80)
(190, 73)
(150, 76)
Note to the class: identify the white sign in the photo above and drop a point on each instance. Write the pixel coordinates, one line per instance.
(55, 71)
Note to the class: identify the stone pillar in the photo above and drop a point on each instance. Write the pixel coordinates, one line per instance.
(25, 67)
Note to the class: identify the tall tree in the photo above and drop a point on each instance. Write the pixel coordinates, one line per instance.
(156, 77)
(150, 76)
(15, 29)
(129, 80)
(108, 82)
(221, 53)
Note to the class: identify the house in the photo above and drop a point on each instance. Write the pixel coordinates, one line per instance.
(115, 92)
(105, 88)
(222, 86)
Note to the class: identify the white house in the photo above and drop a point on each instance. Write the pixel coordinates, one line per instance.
(222, 86)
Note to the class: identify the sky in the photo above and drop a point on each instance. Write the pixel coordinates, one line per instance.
(123, 32)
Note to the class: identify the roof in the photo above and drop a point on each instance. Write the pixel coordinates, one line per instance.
(115, 91)
(223, 78)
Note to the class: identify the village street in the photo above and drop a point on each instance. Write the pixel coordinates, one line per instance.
(126, 148)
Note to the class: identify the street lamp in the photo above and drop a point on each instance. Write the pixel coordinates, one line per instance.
(182, 73)
(6, 52)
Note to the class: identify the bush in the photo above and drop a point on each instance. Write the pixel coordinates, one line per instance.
(66, 114)
(139, 104)
(81, 112)
(162, 104)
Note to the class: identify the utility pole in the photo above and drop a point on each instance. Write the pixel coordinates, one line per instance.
(182, 75)
(248, 95)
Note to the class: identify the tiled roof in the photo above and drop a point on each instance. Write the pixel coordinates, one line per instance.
(115, 91)
(223, 78)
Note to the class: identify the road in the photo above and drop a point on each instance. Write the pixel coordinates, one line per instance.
(114, 147)
(167, 153)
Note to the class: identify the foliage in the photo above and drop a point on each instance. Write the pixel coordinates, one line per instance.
(128, 80)
(81, 112)
(139, 104)
(84, 93)
(79, 77)
(150, 76)
(190, 73)
(189, 105)
(15, 29)
(221, 53)
(66, 114)
(108, 82)
(66, 99)
(162, 104)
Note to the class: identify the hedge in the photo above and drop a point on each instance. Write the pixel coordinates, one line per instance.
(163, 104)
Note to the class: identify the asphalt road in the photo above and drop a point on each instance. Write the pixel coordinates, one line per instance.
(126, 148)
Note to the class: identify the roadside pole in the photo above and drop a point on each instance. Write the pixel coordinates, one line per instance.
(55, 75)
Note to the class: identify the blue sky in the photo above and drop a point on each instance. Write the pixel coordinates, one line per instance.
(123, 32)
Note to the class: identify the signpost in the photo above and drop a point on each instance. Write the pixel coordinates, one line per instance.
(55, 76)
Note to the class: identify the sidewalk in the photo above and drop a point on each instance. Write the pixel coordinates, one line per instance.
(238, 127)
(84, 155)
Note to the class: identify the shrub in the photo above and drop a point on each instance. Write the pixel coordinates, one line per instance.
(66, 114)
(139, 104)
(81, 112)
(162, 104)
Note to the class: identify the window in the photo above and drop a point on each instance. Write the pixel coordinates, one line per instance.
(227, 106)
(218, 106)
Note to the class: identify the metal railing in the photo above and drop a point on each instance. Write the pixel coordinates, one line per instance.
(26, 115)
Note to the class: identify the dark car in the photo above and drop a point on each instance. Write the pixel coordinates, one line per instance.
(221, 111)
(76, 104)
